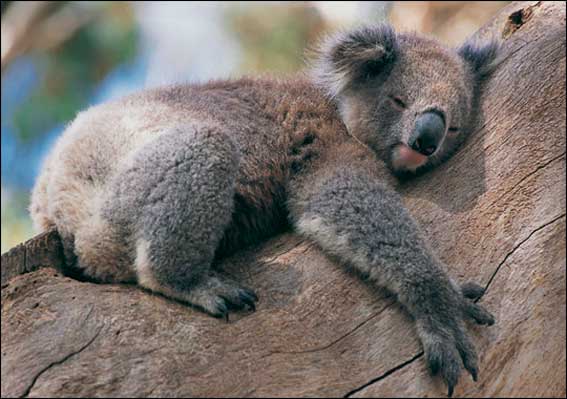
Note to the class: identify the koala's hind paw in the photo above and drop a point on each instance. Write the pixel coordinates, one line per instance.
(218, 296)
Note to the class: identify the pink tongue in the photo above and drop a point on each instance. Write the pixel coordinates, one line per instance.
(409, 157)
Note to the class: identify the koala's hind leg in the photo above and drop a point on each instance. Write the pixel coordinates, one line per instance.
(178, 192)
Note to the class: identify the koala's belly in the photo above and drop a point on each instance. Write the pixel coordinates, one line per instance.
(252, 222)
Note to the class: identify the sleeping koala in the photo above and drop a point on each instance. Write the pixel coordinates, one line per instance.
(154, 187)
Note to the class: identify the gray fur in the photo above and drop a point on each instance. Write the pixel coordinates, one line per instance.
(155, 186)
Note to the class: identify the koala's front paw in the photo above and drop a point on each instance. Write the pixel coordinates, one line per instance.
(445, 342)
(476, 312)
(472, 290)
(445, 349)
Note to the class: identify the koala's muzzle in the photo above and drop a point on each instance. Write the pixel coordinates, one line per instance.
(428, 133)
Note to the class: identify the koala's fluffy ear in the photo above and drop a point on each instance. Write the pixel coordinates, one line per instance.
(481, 58)
(353, 56)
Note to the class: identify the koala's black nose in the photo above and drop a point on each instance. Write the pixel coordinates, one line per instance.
(428, 133)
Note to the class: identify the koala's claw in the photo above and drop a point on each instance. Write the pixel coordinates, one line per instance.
(479, 314)
(245, 298)
(218, 308)
(474, 375)
(472, 290)
(224, 305)
(467, 352)
(443, 358)
(249, 297)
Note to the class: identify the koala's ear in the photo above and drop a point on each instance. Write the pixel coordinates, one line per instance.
(481, 58)
(353, 56)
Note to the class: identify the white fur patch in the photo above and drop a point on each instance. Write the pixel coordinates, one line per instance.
(143, 267)
(339, 244)
(146, 276)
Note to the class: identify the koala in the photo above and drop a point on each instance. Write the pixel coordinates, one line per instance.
(154, 187)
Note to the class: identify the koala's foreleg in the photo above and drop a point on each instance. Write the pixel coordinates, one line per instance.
(352, 215)
(178, 193)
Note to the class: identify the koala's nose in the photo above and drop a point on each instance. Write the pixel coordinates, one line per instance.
(428, 133)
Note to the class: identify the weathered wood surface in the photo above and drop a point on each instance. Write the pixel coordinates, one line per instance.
(43, 250)
(495, 214)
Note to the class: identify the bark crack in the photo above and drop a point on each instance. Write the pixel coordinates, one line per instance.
(533, 172)
(511, 252)
(61, 361)
(341, 337)
(384, 375)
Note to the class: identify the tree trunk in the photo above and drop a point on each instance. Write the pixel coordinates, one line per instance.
(495, 214)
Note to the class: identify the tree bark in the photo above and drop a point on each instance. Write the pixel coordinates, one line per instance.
(495, 214)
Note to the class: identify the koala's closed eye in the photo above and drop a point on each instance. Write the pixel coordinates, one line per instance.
(453, 130)
(397, 102)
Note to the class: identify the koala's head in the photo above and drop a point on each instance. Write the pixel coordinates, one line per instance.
(410, 99)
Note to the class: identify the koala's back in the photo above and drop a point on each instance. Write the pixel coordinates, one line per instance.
(267, 121)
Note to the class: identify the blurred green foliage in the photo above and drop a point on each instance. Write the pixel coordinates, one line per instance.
(274, 37)
(16, 224)
(71, 71)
